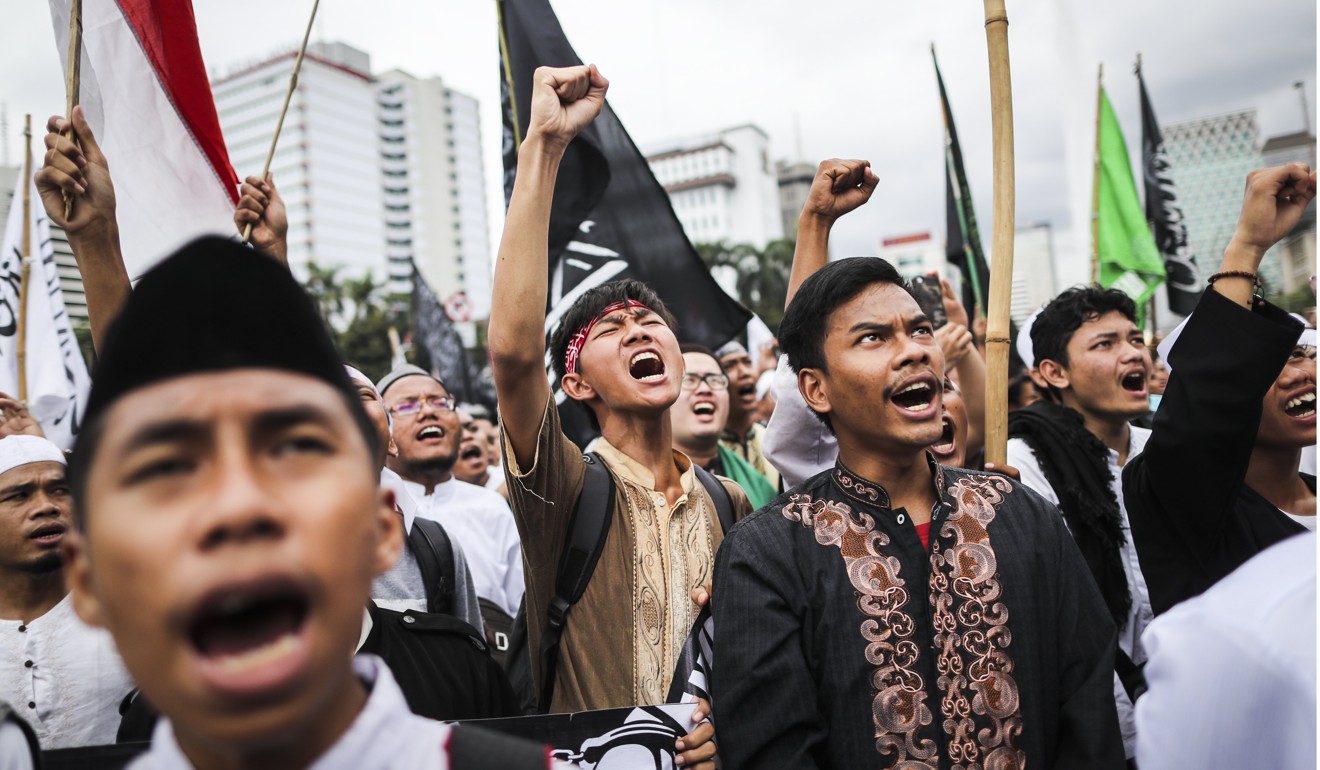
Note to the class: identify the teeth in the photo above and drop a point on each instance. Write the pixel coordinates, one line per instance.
(429, 432)
(912, 387)
(258, 656)
(644, 356)
(1305, 398)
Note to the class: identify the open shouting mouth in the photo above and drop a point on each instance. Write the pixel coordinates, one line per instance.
(647, 366)
(250, 636)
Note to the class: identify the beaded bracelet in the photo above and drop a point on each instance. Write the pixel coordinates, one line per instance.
(1255, 279)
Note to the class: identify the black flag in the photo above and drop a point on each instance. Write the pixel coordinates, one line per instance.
(1183, 277)
(962, 237)
(441, 350)
(611, 218)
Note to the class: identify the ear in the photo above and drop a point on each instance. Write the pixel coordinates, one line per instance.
(576, 387)
(389, 524)
(78, 574)
(815, 390)
(1055, 374)
(393, 449)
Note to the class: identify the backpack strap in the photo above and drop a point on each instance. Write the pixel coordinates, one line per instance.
(587, 531)
(435, 556)
(718, 494)
(475, 748)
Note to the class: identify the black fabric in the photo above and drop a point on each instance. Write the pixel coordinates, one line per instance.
(429, 542)
(442, 665)
(1194, 520)
(1076, 464)
(476, 748)
(718, 494)
(498, 625)
(212, 306)
(963, 237)
(1164, 212)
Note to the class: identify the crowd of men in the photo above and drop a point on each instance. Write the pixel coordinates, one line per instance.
(256, 555)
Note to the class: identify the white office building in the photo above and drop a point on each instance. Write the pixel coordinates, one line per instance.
(1033, 270)
(723, 186)
(914, 254)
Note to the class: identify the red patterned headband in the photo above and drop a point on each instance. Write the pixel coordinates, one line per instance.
(575, 344)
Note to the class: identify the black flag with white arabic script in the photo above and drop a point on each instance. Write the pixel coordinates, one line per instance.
(611, 218)
(962, 236)
(1183, 276)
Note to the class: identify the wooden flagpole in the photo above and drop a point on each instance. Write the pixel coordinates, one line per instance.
(508, 74)
(26, 269)
(288, 96)
(1095, 180)
(1001, 269)
(72, 83)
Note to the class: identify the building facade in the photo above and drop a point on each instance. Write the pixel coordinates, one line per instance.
(723, 186)
(794, 186)
(1034, 283)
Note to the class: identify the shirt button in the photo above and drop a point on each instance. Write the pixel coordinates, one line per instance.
(27, 663)
(409, 619)
(21, 629)
(32, 704)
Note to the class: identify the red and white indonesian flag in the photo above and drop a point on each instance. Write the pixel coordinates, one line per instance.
(148, 100)
(57, 381)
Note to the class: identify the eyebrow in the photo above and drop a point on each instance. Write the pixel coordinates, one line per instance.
(171, 431)
(32, 484)
(887, 328)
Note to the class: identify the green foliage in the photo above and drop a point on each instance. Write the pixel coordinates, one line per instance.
(762, 274)
(359, 315)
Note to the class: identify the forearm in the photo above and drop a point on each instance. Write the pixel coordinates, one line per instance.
(105, 279)
(812, 251)
(1238, 258)
(971, 381)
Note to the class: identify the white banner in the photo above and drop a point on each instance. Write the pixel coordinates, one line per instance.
(57, 380)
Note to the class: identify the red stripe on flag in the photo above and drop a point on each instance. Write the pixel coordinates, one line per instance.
(167, 32)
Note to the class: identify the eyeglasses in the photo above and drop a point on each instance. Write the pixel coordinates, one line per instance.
(414, 405)
(713, 380)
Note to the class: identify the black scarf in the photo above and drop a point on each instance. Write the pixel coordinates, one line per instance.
(1076, 464)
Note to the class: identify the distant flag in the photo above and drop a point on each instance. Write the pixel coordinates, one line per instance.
(611, 218)
(440, 349)
(1124, 249)
(57, 381)
(1165, 214)
(962, 237)
(147, 97)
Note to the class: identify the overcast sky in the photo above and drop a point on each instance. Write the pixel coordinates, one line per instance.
(848, 78)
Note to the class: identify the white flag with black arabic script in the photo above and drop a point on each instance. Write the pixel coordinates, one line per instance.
(57, 380)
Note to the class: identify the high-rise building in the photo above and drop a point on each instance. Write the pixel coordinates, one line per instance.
(1033, 270)
(913, 255)
(327, 165)
(794, 185)
(433, 188)
(1297, 250)
(722, 186)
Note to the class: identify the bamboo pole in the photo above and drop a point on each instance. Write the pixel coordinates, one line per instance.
(1095, 181)
(1001, 270)
(288, 96)
(26, 270)
(72, 84)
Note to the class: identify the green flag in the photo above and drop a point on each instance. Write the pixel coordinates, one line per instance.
(1129, 260)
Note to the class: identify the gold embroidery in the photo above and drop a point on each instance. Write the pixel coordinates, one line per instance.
(898, 709)
(965, 595)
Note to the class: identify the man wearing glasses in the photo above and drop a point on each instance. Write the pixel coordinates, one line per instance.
(427, 432)
(700, 415)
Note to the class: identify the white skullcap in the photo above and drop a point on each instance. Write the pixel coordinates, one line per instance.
(360, 378)
(1025, 350)
(22, 450)
(1307, 337)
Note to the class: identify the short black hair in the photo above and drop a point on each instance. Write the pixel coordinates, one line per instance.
(1064, 315)
(590, 304)
(802, 332)
(696, 347)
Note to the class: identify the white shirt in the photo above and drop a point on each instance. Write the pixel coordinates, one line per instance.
(494, 477)
(482, 523)
(1140, 615)
(796, 442)
(70, 693)
(1232, 672)
(385, 735)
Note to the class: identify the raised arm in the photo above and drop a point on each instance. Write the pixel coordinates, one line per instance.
(1272, 206)
(839, 187)
(92, 230)
(262, 207)
(564, 101)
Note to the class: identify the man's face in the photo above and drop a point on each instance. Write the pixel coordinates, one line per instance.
(630, 361)
(427, 436)
(741, 372)
(1158, 378)
(882, 390)
(234, 524)
(471, 466)
(951, 447)
(380, 420)
(1287, 417)
(490, 440)
(35, 509)
(1108, 363)
(701, 409)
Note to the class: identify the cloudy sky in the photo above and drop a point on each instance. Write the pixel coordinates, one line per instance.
(847, 78)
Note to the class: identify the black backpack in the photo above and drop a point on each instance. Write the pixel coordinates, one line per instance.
(429, 542)
(587, 531)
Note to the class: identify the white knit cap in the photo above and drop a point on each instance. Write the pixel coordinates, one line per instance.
(22, 450)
